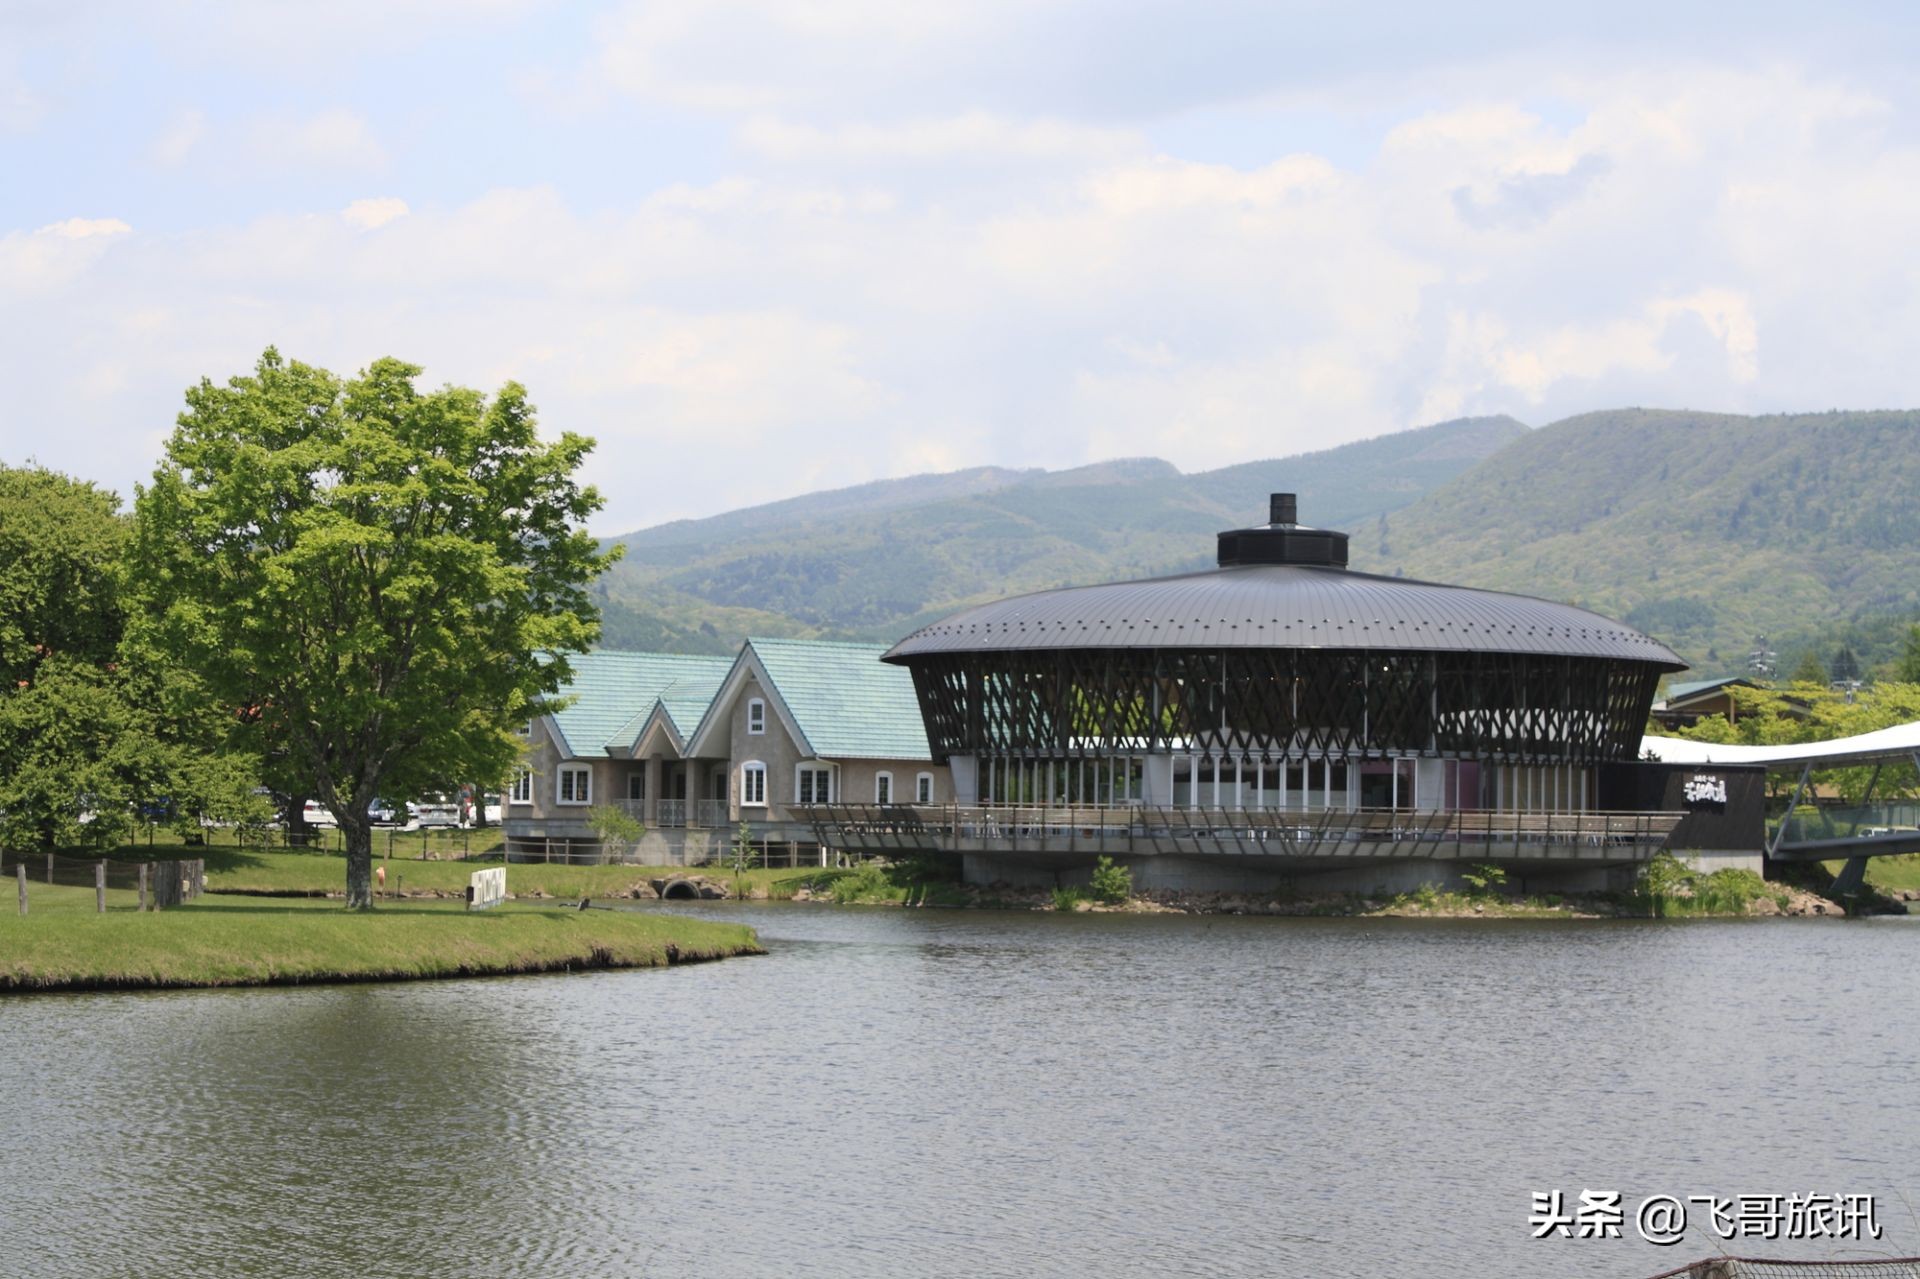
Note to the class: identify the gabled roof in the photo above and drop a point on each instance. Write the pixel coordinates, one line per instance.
(685, 701)
(613, 691)
(847, 702)
(839, 701)
(1695, 687)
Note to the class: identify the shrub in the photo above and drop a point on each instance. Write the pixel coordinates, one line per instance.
(1485, 878)
(867, 882)
(1066, 899)
(1110, 883)
(1672, 887)
(614, 826)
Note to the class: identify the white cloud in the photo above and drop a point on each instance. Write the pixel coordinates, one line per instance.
(764, 55)
(1707, 238)
(375, 212)
(973, 135)
(36, 264)
(85, 228)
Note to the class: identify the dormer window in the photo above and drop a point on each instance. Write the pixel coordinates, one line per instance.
(756, 716)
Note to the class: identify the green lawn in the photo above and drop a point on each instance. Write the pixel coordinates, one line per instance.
(277, 872)
(225, 941)
(1888, 874)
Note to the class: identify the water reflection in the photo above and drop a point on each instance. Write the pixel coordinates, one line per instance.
(972, 1093)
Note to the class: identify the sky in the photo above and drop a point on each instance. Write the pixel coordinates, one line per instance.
(758, 249)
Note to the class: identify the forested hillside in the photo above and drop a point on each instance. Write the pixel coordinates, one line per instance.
(1702, 529)
(875, 561)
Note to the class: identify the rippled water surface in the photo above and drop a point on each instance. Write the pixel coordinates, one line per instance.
(967, 1093)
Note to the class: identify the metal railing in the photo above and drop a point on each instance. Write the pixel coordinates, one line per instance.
(1258, 832)
(711, 812)
(1853, 821)
(670, 812)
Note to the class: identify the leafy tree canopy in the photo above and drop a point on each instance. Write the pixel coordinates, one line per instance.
(60, 545)
(1909, 668)
(90, 724)
(1813, 712)
(388, 579)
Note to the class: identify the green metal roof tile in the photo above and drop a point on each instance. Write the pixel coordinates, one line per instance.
(686, 700)
(1688, 688)
(613, 689)
(848, 703)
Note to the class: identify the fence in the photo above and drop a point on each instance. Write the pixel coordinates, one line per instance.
(156, 884)
(1849, 821)
(903, 828)
(564, 851)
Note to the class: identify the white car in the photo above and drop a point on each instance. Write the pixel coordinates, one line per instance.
(436, 815)
(317, 814)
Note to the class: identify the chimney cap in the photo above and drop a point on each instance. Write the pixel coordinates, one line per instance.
(1282, 540)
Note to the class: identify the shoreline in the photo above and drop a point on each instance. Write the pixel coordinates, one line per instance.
(592, 962)
(240, 942)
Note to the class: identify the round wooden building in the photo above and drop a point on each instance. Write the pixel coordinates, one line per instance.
(1283, 680)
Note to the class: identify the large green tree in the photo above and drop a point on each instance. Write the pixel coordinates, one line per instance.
(389, 579)
(90, 723)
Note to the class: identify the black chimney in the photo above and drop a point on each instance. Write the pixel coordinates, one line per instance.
(1283, 540)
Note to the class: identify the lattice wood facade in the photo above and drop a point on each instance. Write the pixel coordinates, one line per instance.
(1283, 702)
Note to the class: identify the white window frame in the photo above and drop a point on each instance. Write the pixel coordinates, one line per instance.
(815, 766)
(753, 784)
(582, 794)
(637, 781)
(521, 791)
(526, 729)
(923, 788)
(883, 781)
(756, 716)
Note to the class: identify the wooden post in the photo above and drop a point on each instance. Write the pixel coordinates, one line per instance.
(143, 885)
(100, 886)
(22, 868)
(49, 868)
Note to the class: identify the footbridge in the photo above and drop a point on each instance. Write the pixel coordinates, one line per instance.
(1854, 833)
(1293, 841)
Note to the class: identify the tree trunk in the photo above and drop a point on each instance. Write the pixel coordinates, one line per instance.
(359, 838)
(295, 819)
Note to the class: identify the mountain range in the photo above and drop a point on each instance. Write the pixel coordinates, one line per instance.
(1705, 530)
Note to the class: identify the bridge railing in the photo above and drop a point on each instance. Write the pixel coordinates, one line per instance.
(1852, 821)
(905, 828)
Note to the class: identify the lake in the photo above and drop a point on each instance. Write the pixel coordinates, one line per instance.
(899, 1092)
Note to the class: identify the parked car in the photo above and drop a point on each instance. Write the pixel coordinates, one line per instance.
(436, 814)
(385, 812)
(317, 814)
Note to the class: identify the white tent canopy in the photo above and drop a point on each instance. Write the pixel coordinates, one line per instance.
(1902, 741)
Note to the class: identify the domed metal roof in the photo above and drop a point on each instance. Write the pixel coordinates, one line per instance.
(1285, 606)
(1283, 585)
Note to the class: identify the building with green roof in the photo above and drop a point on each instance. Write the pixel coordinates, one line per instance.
(693, 746)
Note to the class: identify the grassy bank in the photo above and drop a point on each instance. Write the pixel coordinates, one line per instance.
(1890, 875)
(236, 941)
(279, 873)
